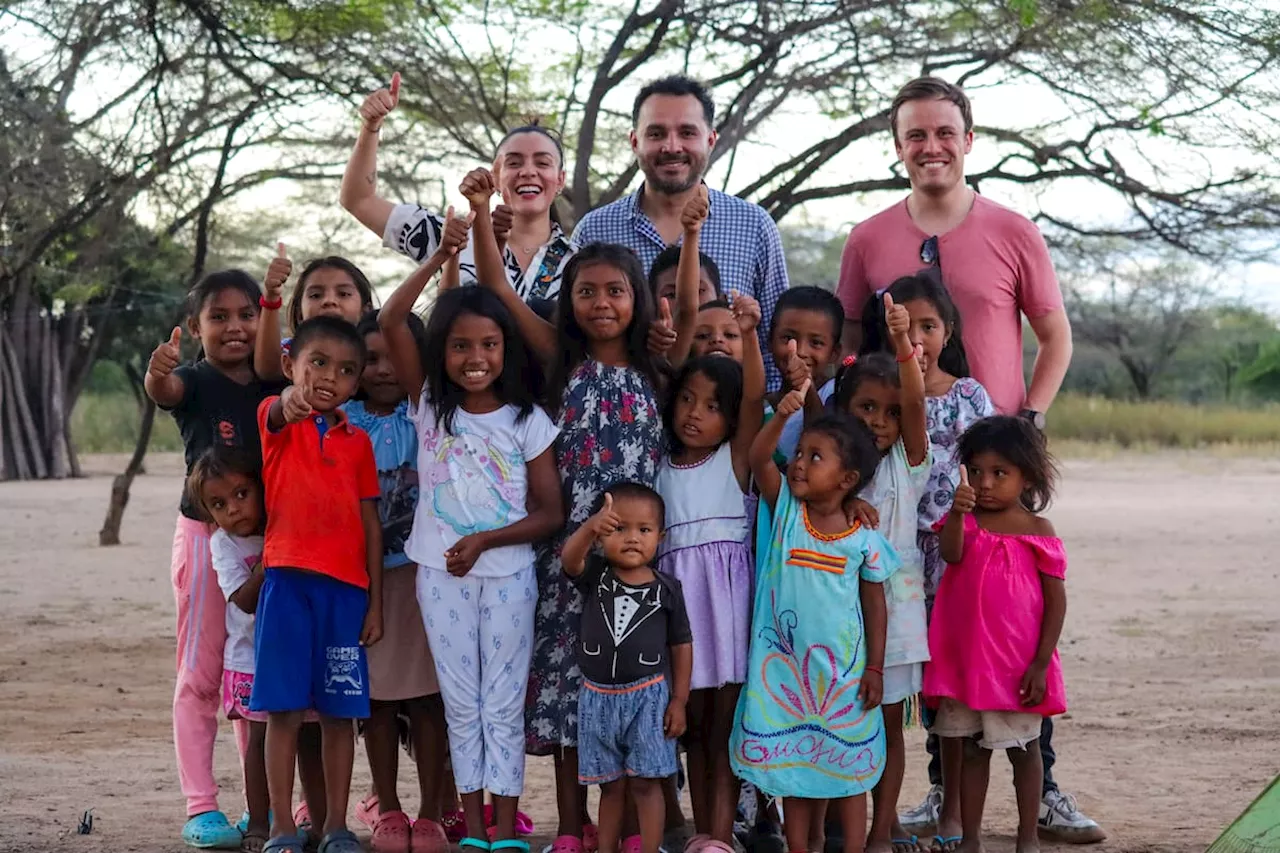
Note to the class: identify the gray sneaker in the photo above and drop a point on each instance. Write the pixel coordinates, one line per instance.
(924, 817)
(1062, 820)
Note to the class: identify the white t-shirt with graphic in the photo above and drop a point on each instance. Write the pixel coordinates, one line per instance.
(472, 480)
(233, 560)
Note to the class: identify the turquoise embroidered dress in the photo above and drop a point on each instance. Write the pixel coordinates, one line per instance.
(799, 729)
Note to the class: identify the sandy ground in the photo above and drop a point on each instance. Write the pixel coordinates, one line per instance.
(1171, 652)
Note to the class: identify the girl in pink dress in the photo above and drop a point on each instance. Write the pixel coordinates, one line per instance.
(994, 670)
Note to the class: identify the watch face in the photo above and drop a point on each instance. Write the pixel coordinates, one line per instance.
(1036, 418)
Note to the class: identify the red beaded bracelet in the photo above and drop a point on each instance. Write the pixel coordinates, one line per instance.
(271, 306)
(909, 357)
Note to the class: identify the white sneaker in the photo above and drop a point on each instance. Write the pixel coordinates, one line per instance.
(1062, 820)
(926, 814)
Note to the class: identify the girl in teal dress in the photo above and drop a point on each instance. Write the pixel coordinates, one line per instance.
(808, 726)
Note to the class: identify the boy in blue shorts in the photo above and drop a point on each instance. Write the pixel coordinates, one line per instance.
(321, 602)
(636, 655)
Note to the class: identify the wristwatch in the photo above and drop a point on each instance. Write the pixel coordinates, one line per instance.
(1036, 418)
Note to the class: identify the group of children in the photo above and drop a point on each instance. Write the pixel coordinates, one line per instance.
(596, 536)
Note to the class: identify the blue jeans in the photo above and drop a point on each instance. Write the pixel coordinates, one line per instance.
(1047, 755)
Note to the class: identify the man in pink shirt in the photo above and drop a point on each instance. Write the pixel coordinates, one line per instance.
(994, 261)
(997, 269)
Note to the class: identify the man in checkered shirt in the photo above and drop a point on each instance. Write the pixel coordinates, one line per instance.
(672, 138)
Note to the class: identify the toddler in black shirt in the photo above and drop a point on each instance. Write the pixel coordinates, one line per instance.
(636, 657)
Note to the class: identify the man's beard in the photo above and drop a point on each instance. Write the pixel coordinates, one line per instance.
(668, 187)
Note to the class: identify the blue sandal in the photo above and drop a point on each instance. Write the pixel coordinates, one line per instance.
(341, 841)
(940, 843)
(478, 844)
(211, 831)
(296, 843)
(511, 844)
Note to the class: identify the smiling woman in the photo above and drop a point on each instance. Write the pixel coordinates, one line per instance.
(529, 168)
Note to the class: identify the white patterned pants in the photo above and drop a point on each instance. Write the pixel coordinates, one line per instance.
(481, 635)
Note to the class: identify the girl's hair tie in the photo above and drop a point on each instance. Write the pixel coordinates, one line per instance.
(850, 359)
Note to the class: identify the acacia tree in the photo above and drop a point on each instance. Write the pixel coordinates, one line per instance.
(104, 105)
(1127, 87)
(1142, 310)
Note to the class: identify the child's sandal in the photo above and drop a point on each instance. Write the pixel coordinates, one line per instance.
(391, 833)
(510, 844)
(427, 836)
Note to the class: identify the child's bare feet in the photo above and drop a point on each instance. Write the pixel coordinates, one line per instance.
(967, 846)
(1028, 843)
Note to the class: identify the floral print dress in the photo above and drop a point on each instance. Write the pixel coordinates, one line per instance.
(947, 418)
(610, 430)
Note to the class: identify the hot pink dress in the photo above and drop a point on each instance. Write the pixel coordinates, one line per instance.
(986, 622)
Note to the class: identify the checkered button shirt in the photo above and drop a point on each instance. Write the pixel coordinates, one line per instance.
(738, 235)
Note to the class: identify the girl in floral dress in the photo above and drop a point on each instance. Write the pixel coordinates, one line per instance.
(603, 393)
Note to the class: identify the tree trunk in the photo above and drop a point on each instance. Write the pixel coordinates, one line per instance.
(35, 440)
(110, 533)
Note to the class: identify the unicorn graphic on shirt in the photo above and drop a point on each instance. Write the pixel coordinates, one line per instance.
(470, 483)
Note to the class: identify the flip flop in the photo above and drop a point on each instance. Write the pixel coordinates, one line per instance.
(390, 833)
(367, 811)
(475, 844)
(511, 844)
(253, 843)
(211, 831)
(913, 842)
(941, 842)
(341, 841)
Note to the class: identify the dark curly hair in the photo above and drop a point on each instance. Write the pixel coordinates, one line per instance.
(1024, 447)
(854, 442)
(368, 325)
(726, 375)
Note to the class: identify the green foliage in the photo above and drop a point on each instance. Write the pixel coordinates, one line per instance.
(1160, 424)
(1263, 375)
(108, 423)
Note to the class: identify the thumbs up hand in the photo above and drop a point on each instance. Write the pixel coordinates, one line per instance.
(896, 317)
(794, 369)
(295, 404)
(662, 333)
(793, 401)
(379, 105)
(695, 211)
(606, 521)
(278, 272)
(167, 356)
(746, 310)
(965, 498)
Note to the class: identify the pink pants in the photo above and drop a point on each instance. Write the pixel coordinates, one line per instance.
(202, 639)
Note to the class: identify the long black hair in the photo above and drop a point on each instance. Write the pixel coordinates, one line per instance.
(331, 262)
(521, 382)
(854, 442)
(726, 375)
(927, 285)
(572, 343)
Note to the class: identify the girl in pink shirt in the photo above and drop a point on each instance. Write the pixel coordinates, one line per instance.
(994, 670)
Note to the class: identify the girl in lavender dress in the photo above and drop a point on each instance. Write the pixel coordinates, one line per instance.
(711, 423)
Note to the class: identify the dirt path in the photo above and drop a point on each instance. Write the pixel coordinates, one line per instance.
(1171, 650)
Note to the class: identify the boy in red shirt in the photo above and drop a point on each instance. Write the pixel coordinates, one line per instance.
(321, 602)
